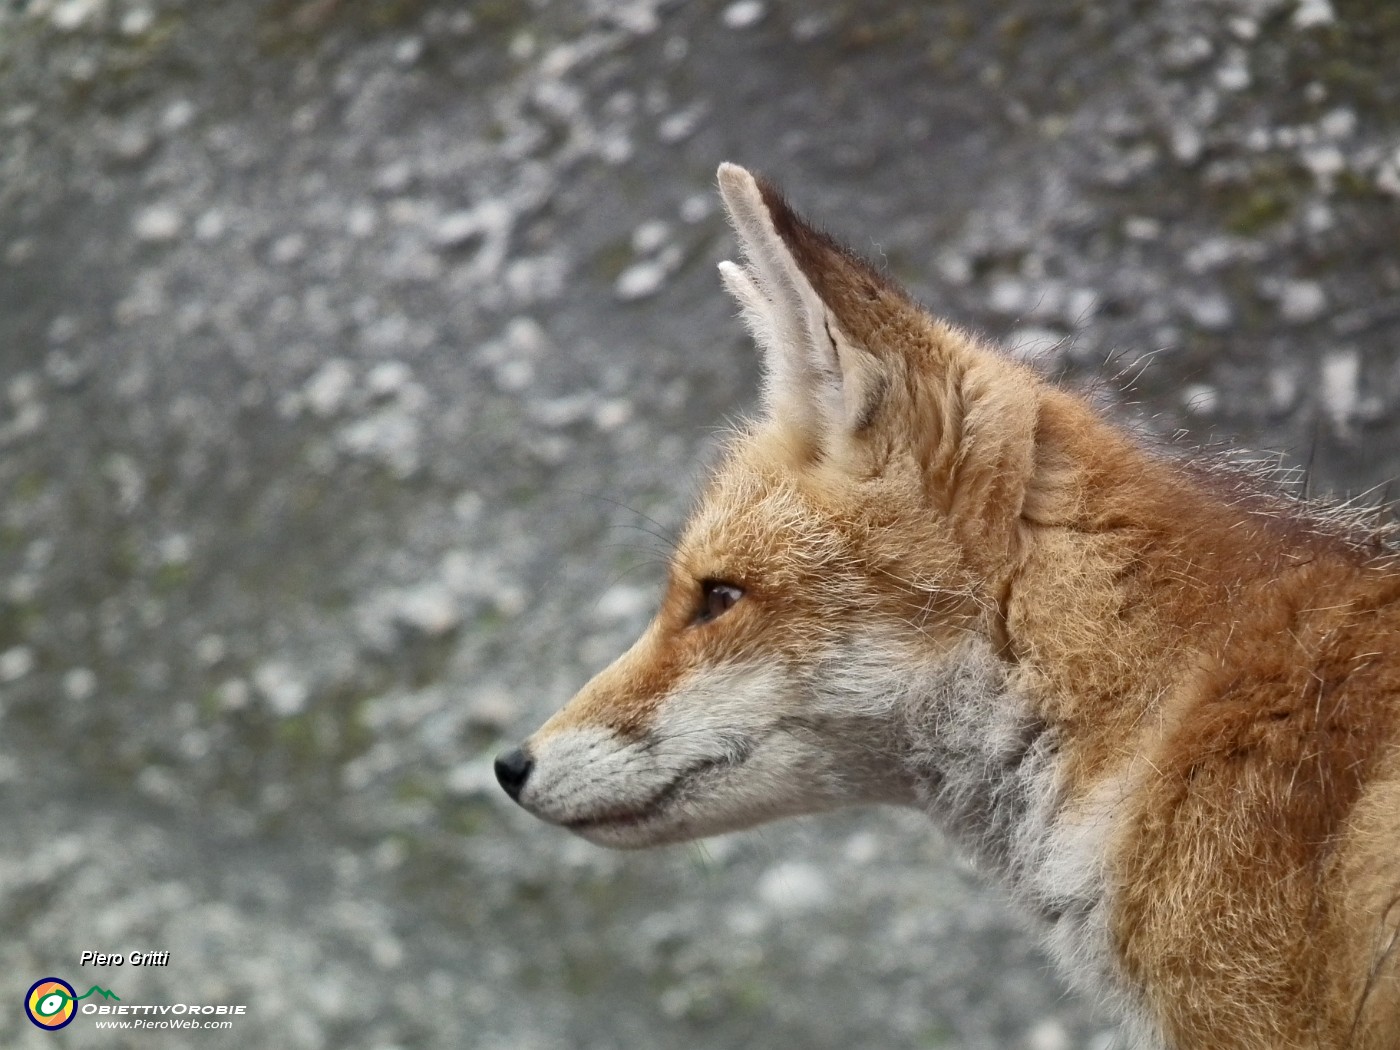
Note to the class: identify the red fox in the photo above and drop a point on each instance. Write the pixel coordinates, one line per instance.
(1158, 702)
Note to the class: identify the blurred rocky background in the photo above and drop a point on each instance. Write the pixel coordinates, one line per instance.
(356, 356)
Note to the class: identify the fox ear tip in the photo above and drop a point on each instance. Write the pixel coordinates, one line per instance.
(742, 188)
(733, 176)
(736, 179)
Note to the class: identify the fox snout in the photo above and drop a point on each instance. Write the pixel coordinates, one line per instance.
(723, 746)
(633, 786)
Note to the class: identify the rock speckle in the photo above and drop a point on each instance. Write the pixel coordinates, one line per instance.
(1312, 13)
(429, 608)
(281, 688)
(1201, 399)
(744, 14)
(16, 663)
(158, 224)
(79, 684)
(327, 392)
(793, 886)
(1210, 310)
(1301, 301)
(1340, 377)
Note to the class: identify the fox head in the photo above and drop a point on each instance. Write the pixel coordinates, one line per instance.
(848, 559)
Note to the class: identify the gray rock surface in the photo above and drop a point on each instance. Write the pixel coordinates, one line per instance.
(351, 352)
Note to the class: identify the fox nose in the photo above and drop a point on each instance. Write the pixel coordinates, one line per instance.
(513, 769)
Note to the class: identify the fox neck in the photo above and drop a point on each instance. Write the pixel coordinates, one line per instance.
(985, 765)
(990, 770)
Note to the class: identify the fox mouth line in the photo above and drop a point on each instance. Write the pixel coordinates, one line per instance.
(654, 806)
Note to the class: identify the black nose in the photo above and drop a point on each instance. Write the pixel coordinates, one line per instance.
(513, 769)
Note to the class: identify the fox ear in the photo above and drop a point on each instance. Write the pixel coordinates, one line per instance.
(806, 301)
(848, 351)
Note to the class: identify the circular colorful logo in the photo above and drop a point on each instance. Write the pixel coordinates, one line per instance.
(49, 1003)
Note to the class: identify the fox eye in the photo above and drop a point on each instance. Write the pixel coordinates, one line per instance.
(716, 598)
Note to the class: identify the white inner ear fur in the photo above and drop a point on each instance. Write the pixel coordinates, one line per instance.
(807, 359)
(862, 382)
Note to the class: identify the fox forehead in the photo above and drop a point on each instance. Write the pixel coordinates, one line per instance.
(752, 515)
(765, 490)
(762, 522)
